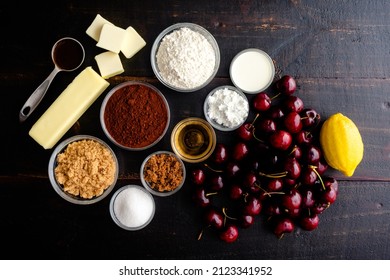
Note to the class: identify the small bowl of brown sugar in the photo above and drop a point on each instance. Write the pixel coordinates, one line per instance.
(83, 169)
(163, 173)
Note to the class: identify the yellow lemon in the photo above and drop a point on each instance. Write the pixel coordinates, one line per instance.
(341, 143)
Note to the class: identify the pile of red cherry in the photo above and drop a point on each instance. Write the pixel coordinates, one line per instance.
(274, 166)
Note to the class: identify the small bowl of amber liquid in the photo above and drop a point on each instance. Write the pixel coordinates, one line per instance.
(193, 139)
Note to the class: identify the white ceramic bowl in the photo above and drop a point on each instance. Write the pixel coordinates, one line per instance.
(193, 27)
(59, 188)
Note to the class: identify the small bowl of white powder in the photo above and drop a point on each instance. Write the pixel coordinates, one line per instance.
(226, 108)
(185, 57)
(132, 207)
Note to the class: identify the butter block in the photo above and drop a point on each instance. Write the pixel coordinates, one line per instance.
(69, 106)
(109, 64)
(132, 43)
(111, 38)
(96, 26)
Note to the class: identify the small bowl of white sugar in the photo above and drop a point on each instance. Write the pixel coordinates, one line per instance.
(226, 108)
(132, 207)
(185, 57)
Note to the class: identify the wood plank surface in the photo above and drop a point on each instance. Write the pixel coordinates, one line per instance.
(339, 53)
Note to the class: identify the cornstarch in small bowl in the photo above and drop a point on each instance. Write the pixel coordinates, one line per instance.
(226, 108)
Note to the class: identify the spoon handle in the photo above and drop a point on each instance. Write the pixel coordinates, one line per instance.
(37, 96)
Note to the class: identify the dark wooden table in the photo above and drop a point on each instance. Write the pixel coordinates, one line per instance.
(339, 52)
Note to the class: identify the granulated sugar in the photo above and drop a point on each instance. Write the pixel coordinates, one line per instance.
(133, 207)
(227, 107)
(185, 59)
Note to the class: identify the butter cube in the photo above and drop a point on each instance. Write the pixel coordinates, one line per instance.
(96, 26)
(109, 64)
(69, 106)
(132, 43)
(111, 38)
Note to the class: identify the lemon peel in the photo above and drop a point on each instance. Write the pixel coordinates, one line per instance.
(341, 143)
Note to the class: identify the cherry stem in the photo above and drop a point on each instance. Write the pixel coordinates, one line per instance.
(254, 136)
(212, 169)
(274, 175)
(224, 209)
(275, 96)
(254, 120)
(294, 149)
(211, 193)
(314, 168)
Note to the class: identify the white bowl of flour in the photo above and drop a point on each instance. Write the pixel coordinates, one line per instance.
(185, 57)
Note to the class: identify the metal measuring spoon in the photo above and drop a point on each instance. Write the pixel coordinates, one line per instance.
(67, 55)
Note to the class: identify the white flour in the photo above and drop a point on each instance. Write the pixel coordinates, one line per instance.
(227, 107)
(185, 58)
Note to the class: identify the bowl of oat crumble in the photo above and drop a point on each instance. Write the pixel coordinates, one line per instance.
(163, 173)
(83, 169)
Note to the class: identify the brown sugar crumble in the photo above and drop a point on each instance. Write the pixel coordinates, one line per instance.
(85, 168)
(163, 172)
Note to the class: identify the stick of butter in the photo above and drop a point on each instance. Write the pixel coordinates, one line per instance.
(68, 108)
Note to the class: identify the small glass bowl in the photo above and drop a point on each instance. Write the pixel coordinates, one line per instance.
(147, 185)
(213, 122)
(57, 186)
(210, 38)
(121, 192)
(103, 109)
(193, 139)
(248, 64)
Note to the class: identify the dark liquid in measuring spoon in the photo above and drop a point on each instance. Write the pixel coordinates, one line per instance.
(68, 54)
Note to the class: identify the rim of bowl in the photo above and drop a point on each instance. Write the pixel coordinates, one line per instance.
(213, 140)
(103, 107)
(212, 121)
(59, 189)
(146, 184)
(114, 217)
(268, 58)
(195, 27)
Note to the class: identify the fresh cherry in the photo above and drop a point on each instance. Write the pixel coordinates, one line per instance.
(245, 131)
(233, 169)
(310, 118)
(252, 206)
(312, 155)
(216, 182)
(283, 225)
(292, 200)
(201, 197)
(220, 154)
(246, 221)
(309, 222)
(214, 218)
(292, 122)
(261, 102)
(240, 151)
(280, 139)
(229, 234)
(293, 103)
(235, 192)
(198, 176)
(286, 85)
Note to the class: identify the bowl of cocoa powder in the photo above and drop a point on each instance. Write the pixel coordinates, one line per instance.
(163, 173)
(134, 115)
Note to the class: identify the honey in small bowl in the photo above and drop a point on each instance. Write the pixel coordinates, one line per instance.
(193, 139)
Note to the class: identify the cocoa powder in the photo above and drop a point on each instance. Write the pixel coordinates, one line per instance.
(136, 116)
